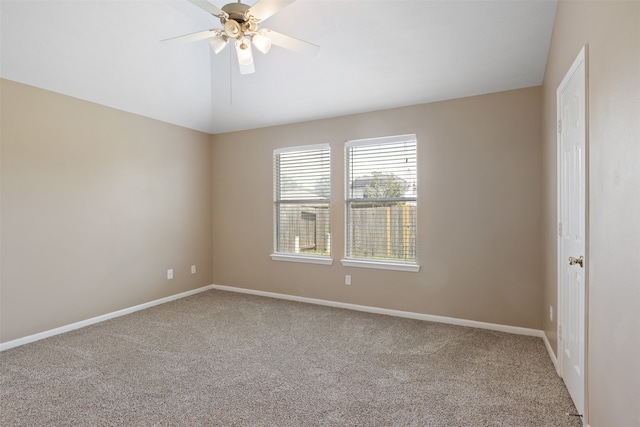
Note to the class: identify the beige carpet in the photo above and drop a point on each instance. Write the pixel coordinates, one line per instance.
(225, 359)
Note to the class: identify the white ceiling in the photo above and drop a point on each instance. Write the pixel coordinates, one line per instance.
(375, 54)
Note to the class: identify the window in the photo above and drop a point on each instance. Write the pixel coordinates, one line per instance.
(302, 190)
(381, 203)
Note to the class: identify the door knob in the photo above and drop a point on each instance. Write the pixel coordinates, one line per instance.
(574, 261)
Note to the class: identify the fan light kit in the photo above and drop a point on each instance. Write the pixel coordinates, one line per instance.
(240, 22)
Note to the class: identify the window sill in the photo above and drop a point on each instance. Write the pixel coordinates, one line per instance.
(381, 265)
(309, 259)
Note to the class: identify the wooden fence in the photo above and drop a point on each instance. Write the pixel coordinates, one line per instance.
(304, 229)
(376, 232)
(383, 232)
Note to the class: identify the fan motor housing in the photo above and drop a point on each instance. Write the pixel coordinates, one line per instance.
(237, 12)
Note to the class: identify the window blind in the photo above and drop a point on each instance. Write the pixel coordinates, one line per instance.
(381, 184)
(302, 191)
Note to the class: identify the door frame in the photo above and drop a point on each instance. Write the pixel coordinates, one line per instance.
(560, 261)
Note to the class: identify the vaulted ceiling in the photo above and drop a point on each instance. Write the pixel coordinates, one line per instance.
(374, 54)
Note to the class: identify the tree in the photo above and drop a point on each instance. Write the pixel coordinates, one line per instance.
(384, 186)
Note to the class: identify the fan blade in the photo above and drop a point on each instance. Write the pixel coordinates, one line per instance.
(200, 35)
(209, 8)
(266, 8)
(292, 43)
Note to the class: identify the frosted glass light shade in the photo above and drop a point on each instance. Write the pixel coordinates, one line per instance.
(218, 43)
(243, 49)
(261, 41)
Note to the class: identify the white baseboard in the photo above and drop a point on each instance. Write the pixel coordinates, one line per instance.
(407, 314)
(377, 310)
(552, 355)
(62, 329)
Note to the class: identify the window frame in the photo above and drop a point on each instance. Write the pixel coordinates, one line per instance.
(376, 263)
(289, 256)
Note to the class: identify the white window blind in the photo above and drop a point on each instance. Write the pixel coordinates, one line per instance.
(381, 185)
(302, 191)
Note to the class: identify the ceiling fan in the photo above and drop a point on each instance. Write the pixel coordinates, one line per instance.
(241, 22)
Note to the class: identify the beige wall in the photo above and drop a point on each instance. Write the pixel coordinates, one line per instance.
(612, 31)
(479, 225)
(96, 205)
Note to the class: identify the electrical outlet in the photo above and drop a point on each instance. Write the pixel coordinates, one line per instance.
(170, 274)
(193, 269)
(551, 313)
(347, 279)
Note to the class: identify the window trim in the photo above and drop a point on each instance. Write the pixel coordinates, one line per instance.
(309, 259)
(411, 266)
(380, 140)
(311, 147)
(287, 256)
(380, 264)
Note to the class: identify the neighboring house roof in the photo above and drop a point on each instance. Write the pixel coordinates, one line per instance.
(365, 181)
(300, 193)
(360, 185)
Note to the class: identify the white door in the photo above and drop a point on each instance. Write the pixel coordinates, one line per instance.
(572, 228)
